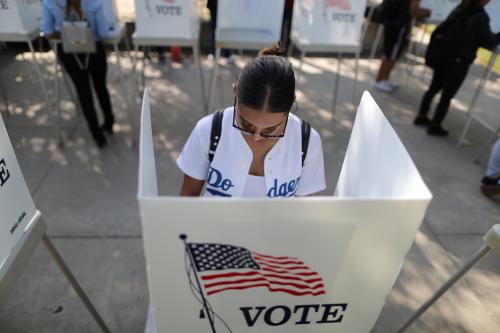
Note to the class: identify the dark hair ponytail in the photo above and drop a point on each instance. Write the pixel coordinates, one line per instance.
(268, 81)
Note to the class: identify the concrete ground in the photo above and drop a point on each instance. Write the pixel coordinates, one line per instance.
(88, 198)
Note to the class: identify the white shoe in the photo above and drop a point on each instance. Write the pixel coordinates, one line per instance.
(392, 84)
(210, 57)
(383, 86)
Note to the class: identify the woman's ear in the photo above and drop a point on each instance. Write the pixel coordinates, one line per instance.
(235, 88)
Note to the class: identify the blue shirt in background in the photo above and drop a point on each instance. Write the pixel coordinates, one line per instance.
(54, 12)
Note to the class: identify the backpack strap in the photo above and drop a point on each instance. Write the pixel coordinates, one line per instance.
(306, 133)
(215, 133)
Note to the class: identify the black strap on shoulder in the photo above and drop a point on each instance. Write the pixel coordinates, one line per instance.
(306, 133)
(215, 133)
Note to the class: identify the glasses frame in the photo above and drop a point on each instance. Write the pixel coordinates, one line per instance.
(253, 133)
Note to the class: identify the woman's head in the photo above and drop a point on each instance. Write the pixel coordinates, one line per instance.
(267, 83)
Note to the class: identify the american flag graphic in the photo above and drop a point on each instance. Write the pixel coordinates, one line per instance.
(342, 4)
(224, 267)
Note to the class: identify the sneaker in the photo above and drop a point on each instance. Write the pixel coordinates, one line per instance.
(436, 130)
(383, 86)
(490, 180)
(210, 57)
(421, 121)
(490, 186)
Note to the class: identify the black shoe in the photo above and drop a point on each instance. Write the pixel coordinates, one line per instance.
(436, 130)
(421, 121)
(490, 180)
(108, 127)
(100, 140)
(490, 190)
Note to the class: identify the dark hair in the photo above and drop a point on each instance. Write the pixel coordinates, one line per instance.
(267, 82)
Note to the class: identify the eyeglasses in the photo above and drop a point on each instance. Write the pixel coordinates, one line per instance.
(265, 133)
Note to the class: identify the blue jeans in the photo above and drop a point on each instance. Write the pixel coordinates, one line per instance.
(494, 164)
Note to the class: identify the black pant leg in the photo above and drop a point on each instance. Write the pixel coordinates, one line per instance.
(437, 83)
(453, 81)
(98, 70)
(81, 81)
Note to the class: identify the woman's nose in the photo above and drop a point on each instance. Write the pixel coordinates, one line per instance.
(257, 137)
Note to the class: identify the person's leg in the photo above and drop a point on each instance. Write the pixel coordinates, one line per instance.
(494, 163)
(213, 25)
(81, 81)
(98, 70)
(452, 82)
(491, 182)
(386, 67)
(435, 86)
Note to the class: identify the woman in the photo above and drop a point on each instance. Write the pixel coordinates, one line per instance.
(54, 13)
(259, 151)
(465, 30)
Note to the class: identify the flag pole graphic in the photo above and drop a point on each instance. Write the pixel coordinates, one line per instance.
(205, 303)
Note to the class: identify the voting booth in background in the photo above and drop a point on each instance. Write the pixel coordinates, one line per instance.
(167, 23)
(245, 25)
(20, 22)
(22, 228)
(328, 26)
(440, 9)
(314, 264)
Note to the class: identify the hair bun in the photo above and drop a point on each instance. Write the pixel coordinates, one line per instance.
(275, 50)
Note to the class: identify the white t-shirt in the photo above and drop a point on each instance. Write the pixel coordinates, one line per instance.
(228, 173)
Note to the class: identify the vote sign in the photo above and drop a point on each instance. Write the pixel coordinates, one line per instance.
(16, 206)
(19, 15)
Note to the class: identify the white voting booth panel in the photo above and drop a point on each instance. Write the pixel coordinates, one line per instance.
(249, 21)
(493, 10)
(16, 206)
(328, 24)
(317, 264)
(440, 9)
(19, 16)
(167, 18)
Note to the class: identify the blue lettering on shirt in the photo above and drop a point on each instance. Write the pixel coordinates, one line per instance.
(287, 189)
(216, 183)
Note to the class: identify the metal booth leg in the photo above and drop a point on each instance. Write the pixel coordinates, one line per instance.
(337, 82)
(74, 283)
(39, 72)
(197, 59)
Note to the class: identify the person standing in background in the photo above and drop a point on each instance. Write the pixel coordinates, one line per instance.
(397, 16)
(212, 7)
(452, 50)
(54, 13)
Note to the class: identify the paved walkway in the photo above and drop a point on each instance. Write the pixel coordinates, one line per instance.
(88, 195)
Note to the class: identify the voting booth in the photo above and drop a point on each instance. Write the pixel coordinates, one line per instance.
(313, 264)
(245, 25)
(20, 22)
(22, 228)
(167, 23)
(328, 26)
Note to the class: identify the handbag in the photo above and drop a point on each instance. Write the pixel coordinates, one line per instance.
(77, 38)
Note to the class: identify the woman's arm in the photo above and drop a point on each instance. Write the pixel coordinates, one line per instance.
(416, 11)
(191, 187)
